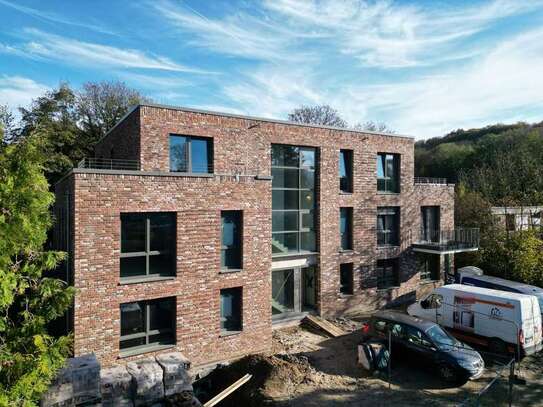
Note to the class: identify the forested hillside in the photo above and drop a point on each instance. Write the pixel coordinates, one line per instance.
(503, 163)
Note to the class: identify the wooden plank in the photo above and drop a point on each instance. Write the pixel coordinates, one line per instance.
(324, 325)
(229, 390)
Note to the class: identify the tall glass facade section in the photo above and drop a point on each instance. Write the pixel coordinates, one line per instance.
(293, 199)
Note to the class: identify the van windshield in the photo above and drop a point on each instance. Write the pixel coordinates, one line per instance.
(540, 300)
(441, 338)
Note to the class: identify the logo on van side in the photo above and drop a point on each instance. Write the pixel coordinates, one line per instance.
(495, 313)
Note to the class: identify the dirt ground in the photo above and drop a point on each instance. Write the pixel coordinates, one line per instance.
(307, 368)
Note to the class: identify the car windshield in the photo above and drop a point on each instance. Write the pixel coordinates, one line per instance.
(441, 338)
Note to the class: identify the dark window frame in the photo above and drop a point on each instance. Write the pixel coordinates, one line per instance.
(146, 304)
(346, 278)
(346, 236)
(148, 253)
(388, 183)
(430, 220)
(424, 267)
(238, 215)
(384, 267)
(302, 191)
(239, 328)
(389, 236)
(189, 159)
(346, 157)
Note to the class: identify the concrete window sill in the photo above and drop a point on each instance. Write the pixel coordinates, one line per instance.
(144, 349)
(429, 281)
(388, 193)
(388, 289)
(143, 279)
(228, 334)
(346, 250)
(345, 193)
(229, 271)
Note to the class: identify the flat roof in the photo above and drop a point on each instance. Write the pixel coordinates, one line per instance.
(262, 119)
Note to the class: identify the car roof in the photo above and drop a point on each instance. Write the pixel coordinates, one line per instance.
(404, 319)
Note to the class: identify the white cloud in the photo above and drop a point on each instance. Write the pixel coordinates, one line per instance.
(390, 34)
(89, 54)
(256, 37)
(17, 91)
(55, 18)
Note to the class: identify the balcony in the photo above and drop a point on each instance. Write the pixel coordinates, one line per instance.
(430, 181)
(109, 164)
(446, 241)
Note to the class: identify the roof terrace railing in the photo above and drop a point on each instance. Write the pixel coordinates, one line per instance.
(459, 239)
(432, 181)
(109, 164)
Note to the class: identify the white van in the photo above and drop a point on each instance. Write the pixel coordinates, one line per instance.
(473, 276)
(505, 322)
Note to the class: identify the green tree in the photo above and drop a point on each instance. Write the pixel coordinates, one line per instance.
(29, 299)
(72, 121)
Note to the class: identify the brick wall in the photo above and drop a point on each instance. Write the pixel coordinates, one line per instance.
(241, 146)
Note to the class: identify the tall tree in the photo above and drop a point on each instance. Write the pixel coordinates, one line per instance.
(100, 105)
(7, 125)
(29, 301)
(71, 122)
(374, 126)
(323, 115)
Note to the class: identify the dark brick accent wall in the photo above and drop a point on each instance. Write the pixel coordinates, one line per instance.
(243, 147)
(123, 141)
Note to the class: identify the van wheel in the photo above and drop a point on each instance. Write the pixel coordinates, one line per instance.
(497, 346)
(448, 373)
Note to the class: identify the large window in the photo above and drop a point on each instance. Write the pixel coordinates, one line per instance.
(430, 231)
(293, 199)
(346, 171)
(387, 273)
(231, 240)
(428, 266)
(346, 228)
(191, 154)
(147, 245)
(388, 172)
(346, 278)
(388, 226)
(231, 310)
(147, 324)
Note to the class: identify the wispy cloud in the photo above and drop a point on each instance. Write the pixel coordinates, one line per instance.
(77, 52)
(55, 18)
(241, 34)
(16, 91)
(394, 35)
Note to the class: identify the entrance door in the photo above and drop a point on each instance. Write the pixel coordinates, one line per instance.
(282, 291)
(293, 291)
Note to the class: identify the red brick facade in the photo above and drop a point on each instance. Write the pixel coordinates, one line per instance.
(241, 181)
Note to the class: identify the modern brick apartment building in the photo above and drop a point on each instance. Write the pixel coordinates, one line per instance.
(200, 231)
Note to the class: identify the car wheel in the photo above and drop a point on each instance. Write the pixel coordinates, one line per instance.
(448, 373)
(497, 346)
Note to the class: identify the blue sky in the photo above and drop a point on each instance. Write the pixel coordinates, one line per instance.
(423, 67)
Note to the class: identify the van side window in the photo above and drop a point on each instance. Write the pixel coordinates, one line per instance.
(435, 301)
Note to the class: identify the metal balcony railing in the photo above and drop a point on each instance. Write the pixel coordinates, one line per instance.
(109, 164)
(443, 241)
(432, 181)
